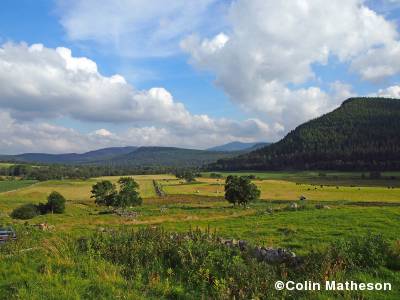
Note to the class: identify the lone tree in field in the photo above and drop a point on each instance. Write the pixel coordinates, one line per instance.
(56, 203)
(240, 190)
(104, 193)
(128, 193)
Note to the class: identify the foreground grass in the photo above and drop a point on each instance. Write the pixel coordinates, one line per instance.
(157, 264)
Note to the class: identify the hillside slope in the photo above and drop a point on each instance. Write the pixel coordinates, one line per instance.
(170, 156)
(130, 157)
(362, 134)
(238, 146)
(72, 158)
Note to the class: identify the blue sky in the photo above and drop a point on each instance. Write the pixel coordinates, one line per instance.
(193, 74)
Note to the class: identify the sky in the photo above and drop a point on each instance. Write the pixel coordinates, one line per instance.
(78, 75)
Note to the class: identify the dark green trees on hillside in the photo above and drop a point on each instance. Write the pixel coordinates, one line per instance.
(240, 190)
(105, 193)
(362, 134)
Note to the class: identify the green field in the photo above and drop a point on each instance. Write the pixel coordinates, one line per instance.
(5, 165)
(11, 185)
(353, 211)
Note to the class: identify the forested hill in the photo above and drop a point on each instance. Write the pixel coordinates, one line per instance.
(362, 134)
(169, 156)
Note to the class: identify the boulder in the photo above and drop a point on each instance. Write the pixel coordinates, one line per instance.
(278, 256)
(321, 206)
(242, 245)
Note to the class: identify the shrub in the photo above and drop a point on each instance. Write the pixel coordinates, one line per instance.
(240, 190)
(354, 254)
(128, 194)
(104, 193)
(25, 212)
(56, 203)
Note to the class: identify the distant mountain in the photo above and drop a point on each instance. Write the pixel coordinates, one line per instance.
(129, 156)
(362, 134)
(170, 156)
(72, 158)
(238, 146)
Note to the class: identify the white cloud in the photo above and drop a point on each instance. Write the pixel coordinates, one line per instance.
(136, 27)
(379, 63)
(17, 137)
(389, 92)
(39, 83)
(272, 46)
(103, 132)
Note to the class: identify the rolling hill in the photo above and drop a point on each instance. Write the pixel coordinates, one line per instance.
(129, 157)
(362, 134)
(170, 156)
(238, 146)
(71, 158)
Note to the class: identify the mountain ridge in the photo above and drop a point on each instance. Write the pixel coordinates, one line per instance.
(238, 146)
(362, 134)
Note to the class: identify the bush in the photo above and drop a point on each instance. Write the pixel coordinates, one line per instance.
(240, 190)
(198, 265)
(367, 253)
(25, 212)
(105, 193)
(56, 203)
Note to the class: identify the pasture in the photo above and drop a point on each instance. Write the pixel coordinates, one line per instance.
(353, 209)
(11, 185)
(350, 211)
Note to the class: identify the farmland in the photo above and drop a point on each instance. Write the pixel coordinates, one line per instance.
(10, 185)
(201, 203)
(351, 210)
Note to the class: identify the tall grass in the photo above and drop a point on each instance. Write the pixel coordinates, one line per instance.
(196, 265)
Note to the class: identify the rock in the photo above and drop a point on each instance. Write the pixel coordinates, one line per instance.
(277, 256)
(321, 206)
(42, 226)
(126, 213)
(228, 243)
(257, 253)
(242, 245)
(269, 210)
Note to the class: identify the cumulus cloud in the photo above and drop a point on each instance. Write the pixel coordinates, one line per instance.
(136, 27)
(389, 92)
(379, 63)
(39, 83)
(271, 48)
(17, 137)
(36, 82)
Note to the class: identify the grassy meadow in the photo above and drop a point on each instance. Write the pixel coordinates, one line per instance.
(13, 185)
(351, 209)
